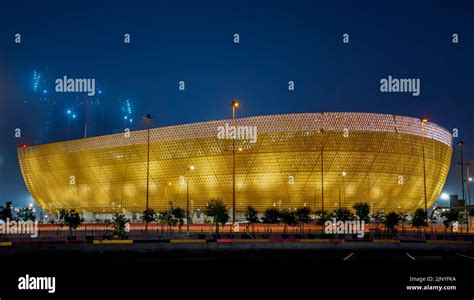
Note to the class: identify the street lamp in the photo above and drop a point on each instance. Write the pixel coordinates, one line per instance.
(69, 112)
(461, 143)
(234, 105)
(190, 168)
(148, 119)
(164, 200)
(424, 120)
(343, 175)
(320, 132)
(468, 201)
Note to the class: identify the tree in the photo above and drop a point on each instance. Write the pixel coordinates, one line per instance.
(149, 216)
(119, 224)
(25, 214)
(179, 215)
(419, 218)
(403, 219)
(218, 211)
(343, 214)
(450, 215)
(303, 216)
(288, 218)
(321, 217)
(392, 221)
(71, 218)
(362, 211)
(271, 216)
(251, 216)
(379, 218)
(167, 218)
(6, 212)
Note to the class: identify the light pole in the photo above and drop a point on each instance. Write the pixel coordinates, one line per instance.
(164, 200)
(424, 120)
(234, 104)
(320, 132)
(190, 168)
(86, 108)
(468, 201)
(343, 175)
(461, 143)
(68, 122)
(148, 119)
(469, 180)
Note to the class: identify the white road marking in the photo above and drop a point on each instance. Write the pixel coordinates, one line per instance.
(470, 257)
(349, 256)
(410, 256)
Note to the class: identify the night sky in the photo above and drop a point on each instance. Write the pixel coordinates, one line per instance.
(192, 41)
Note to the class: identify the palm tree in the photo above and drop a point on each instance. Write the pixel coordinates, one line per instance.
(343, 214)
(25, 214)
(218, 211)
(451, 215)
(72, 219)
(362, 210)
(379, 218)
(166, 218)
(6, 212)
(251, 216)
(149, 215)
(403, 220)
(271, 216)
(119, 224)
(419, 218)
(392, 221)
(321, 217)
(178, 214)
(288, 218)
(303, 216)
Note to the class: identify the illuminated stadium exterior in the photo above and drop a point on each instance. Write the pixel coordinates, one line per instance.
(367, 157)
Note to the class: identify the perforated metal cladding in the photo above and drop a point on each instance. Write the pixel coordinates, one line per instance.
(380, 152)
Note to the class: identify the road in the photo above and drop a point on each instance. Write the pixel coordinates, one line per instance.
(249, 274)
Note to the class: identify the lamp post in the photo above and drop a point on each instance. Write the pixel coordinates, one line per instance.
(86, 108)
(424, 120)
(68, 122)
(320, 132)
(234, 104)
(468, 201)
(148, 119)
(469, 180)
(164, 200)
(343, 175)
(461, 143)
(190, 168)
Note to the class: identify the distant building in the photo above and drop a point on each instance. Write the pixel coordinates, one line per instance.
(455, 202)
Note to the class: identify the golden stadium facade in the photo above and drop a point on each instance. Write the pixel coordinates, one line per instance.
(367, 157)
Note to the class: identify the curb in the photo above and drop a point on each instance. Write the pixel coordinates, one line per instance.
(96, 242)
(189, 241)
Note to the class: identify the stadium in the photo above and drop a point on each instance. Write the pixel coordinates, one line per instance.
(309, 159)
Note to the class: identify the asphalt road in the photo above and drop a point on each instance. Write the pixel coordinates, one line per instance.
(369, 274)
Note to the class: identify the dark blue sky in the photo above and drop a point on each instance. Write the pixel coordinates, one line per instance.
(193, 41)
